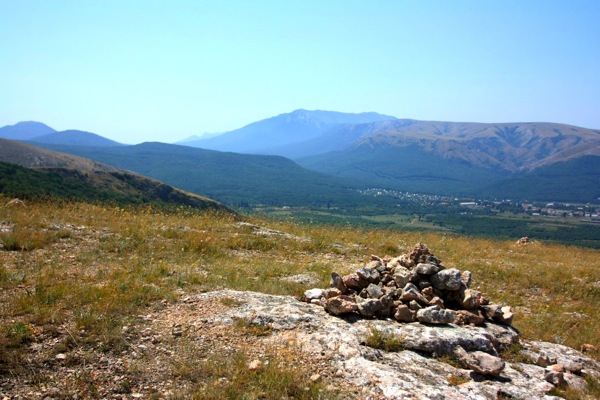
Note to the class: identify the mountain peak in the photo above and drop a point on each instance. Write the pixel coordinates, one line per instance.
(25, 130)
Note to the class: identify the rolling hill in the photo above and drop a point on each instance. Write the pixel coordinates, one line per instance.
(40, 133)
(75, 138)
(27, 171)
(231, 178)
(25, 130)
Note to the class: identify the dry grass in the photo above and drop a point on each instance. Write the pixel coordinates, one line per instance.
(91, 268)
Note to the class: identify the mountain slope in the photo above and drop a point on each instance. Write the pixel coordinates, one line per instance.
(459, 158)
(231, 178)
(577, 178)
(25, 130)
(27, 171)
(508, 146)
(75, 138)
(282, 130)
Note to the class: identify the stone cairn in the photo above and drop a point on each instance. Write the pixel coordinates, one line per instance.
(412, 287)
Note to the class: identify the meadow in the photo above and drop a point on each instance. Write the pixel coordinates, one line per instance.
(87, 270)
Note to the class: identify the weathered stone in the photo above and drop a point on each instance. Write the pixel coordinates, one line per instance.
(388, 306)
(436, 301)
(470, 299)
(495, 312)
(405, 314)
(369, 275)
(413, 305)
(353, 281)
(374, 264)
(543, 360)
(427, 269)
(402, 276)
(465, 278)
(405, 261)
(313, 294)
(557, 378)
(374, 291)
(446, 279)
(436, 315)
(466, 317)
(408, 374)
(478, 361)
(393, 263)
(387, 279)
(338, 283)
(428, 293)
(411, 292)
(370, 308)
(341, 305)
(331, 292)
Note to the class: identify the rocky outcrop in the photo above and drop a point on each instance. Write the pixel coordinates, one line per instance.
(413, 286)
(421, 368)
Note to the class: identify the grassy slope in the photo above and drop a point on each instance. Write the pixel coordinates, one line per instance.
(128, 261)
(106, 186)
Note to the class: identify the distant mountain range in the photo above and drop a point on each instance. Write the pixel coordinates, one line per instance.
(535, 161)
(28, 171)
(283, 130)
(41, 133)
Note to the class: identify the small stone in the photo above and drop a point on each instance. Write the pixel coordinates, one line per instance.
(402, 276)
(315, 378)
(447, 279)
(61, 356)
(557, 378)
(370, 275)
(374, 291)
(470, 299)
(427, 269)
(353, 281)
(338, 283)
(254, 365)
(340, 305)
(411, 292)
(498, 313)
(543, 360)
(313, 294)
(370, 308)
(413, 305)
(467, 317)
(465, 278)
(436, 301)
(480, 362)
(332, 292)
(405, 314)
(428, 293)
(436, 315)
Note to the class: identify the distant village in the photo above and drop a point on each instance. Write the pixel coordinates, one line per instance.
(586, 212)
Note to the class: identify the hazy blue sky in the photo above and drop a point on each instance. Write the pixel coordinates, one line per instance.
(146, 70)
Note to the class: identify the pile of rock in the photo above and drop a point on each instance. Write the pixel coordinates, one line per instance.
(412, 287)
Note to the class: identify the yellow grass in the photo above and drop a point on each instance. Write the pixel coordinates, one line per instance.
(93, 268)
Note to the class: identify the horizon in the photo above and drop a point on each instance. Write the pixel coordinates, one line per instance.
(207, 135)
(136, 71)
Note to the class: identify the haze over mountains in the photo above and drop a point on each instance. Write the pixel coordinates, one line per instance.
(536, 161)
(42, 133)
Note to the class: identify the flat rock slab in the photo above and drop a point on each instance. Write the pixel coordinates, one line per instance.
(413, 373)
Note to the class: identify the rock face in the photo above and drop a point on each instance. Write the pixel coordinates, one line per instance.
(418, 371)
